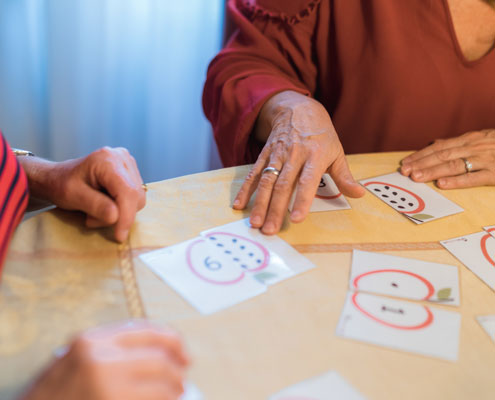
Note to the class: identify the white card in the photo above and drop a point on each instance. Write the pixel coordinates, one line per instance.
(400, 325)
(203, 276)
(488, 324)
(328, 197)
(191, 392)
(329, 386)
(279, 260)
(417, 201)
(477, 252)
(404, 277)
(490, 229)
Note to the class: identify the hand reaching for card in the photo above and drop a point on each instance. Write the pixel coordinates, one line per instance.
(129, 361)
(461, 162)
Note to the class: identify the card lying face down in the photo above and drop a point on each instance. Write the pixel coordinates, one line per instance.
(329, 386)
(400, 325)
(477, 252)
(487, 322)
(328, 197)
(404, 277)
(416, 201)
(226, 265)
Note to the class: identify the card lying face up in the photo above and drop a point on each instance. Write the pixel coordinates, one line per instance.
(400, 325)
(416, 201)
(328, 197)
(477, 252)
(269, 258)
(203, 276)
(329, 386)
(404, 277)
(487, 322)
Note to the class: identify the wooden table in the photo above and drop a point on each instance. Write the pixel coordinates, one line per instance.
(61, 278)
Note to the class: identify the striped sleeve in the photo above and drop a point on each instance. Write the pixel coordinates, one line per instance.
(14, 196)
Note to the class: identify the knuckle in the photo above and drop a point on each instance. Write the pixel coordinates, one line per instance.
(282, 186)
(265, 183)
(454, 165)
(444, 155)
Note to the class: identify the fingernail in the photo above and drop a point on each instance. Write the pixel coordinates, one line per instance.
(441, 182)
(406, 169)
(296, 215)
(269, 227)
(256, 220)
(417, 175)
(237, 202)
(124, 235)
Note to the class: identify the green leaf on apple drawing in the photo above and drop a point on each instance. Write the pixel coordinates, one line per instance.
(444, 294)
(422, 217)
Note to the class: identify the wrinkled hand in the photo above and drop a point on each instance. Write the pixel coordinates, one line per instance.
(106, 185)
(133, 361)
(303, 145)
(443, 161)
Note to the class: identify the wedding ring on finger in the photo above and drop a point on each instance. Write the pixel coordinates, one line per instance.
(271, 170)
(468, 165)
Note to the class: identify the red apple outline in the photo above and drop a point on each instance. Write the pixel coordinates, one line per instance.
(429, 286)
(421, 202)
(195, 272)
(328, 197)
(483, 246)
(424, 324)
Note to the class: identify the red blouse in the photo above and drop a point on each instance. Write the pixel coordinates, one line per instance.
(390, 73)
(14, 196)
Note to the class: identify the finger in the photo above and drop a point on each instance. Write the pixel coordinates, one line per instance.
(95, 204)
(128, 195)
(439, 157)
(94, 223)
(438, 145)
(251, 182)
(281, 195)
(166, 340)
(450, 168)
(264, 192)
(342, 176)
(472, 179)
(307, 186)
(154, 391)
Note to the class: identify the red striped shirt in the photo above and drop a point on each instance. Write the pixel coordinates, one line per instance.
(14, 196)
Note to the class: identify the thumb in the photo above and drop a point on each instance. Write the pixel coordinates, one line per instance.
(341, 174)
(96, 205)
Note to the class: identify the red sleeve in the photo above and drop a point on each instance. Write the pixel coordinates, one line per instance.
(271, 52)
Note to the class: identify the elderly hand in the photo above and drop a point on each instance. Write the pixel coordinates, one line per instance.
(106, 185)
(133, 361)
(302, 144)
(444, 161)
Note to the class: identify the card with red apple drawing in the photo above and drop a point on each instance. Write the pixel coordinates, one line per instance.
(203, 275)
(477, 252)
(328, 197)
(400, 325)
(248, 246)
(487, 322)
(490, 229)
(328, 386)
(404, 277)
(416, 201)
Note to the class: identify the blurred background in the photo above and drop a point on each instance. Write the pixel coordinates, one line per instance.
(76, 75)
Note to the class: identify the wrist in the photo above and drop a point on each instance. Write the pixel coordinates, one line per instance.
(41, 175)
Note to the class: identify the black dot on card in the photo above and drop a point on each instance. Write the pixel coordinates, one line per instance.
(384, 308)
(410, 204)
(228, 252)
(236, 259)
(384, 195)
(243, 247)
(394, 193)
(393, 202)
(395, 285)
(258, 261)
(234, 240)
(387, 187)
(402, 199)
(401, 207)
(377, 190)
(251, 254)
(213, 238)
(219, 245)
(244, 266)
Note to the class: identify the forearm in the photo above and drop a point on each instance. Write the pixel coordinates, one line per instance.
(41, 179)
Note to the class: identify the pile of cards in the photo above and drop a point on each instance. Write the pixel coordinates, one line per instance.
(401, 324)
(329, 386)
(416, 201)
(226, 265)
(477, 252)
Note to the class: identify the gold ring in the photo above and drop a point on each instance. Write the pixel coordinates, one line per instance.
(271, 170)
(144, 186)
(468, 165)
